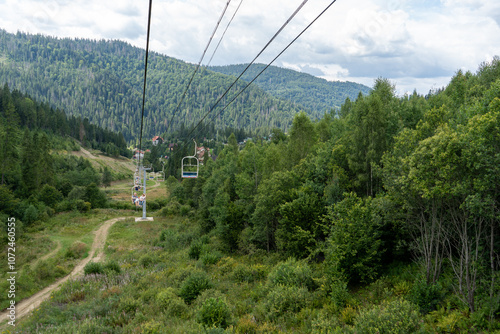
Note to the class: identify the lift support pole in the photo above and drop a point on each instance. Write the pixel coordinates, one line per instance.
(144, 218)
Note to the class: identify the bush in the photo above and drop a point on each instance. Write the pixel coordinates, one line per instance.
(210, 258)
(283, 299)
(425, 296)
(77, 193)
(250, 274)
(398, 316)
(291, 273)
(93, 268)
(172, 208)
(49, 195)
(76, 250)
(170, 239)
(339, 293)
(82, 206)
(113, 266)
(246, 325)
(195, 250)
(146, 260)
(195, 284)
(214, 313)
(184, 210)
(43, 270)
(171, 303)
(30, 215)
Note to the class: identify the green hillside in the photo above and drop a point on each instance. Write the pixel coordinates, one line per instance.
(313, 93)
(102, 81)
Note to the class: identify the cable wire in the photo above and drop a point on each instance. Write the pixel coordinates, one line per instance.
(224, 33)
(144, 88)
(198, 66)
(272, 61)
(248, 66)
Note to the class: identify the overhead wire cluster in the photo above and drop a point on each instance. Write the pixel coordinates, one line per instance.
(262, 71)
(239, 76)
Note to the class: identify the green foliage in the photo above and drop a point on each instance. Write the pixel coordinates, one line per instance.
(210, 257)
(49, 195)
(195, 249)
(282, 300)
(95, 196)
(244, 273)
(76, 250)
(113, 266)
(30, 215)
(354, 246)
(93, 268)
(194, 284)
(147, 260)
(214, 313)
(172, 304)
(291, 273)
(426, 296)
(398, 316)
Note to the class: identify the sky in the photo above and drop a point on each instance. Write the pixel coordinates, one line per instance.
(416, 44)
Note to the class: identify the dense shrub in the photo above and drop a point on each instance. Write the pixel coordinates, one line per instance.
(147, 260)
(339, 294)
(195, 284)
(249, 274)
(210, 257)
(184, 210)
(426, 296)
(49, 195)
(291, 273)
(285, 299)
(93, 268)
(214, 313)
(398, 316)
(170, 303)
(76, 250)
(113, 266)
(30, 215)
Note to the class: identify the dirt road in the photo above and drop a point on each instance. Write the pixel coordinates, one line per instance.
(95, 254)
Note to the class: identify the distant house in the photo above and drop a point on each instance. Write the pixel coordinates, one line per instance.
(157, 140)
(138, 154)
(200, 153)
(171, 147)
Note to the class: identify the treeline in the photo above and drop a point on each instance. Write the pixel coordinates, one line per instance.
(21, 109)
(102, 81)
(301, 88)
(389, 179)
(35, 180)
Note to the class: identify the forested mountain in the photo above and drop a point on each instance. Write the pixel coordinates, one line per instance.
(313, 93)
(103, 80)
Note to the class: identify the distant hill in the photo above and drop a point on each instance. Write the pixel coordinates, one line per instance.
(103, 80)
(309, 91)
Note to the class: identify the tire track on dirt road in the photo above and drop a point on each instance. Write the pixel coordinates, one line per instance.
(96, 253)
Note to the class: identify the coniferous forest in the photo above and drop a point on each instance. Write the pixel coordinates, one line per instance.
(381, 216)
(99, 80)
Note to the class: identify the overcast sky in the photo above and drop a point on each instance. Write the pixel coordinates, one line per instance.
(417, 44)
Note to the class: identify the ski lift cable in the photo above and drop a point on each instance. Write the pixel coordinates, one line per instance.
(272, 61)
(224, 33)
(248, 66)
(198, 66)
(241, 91)
(144, 88)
